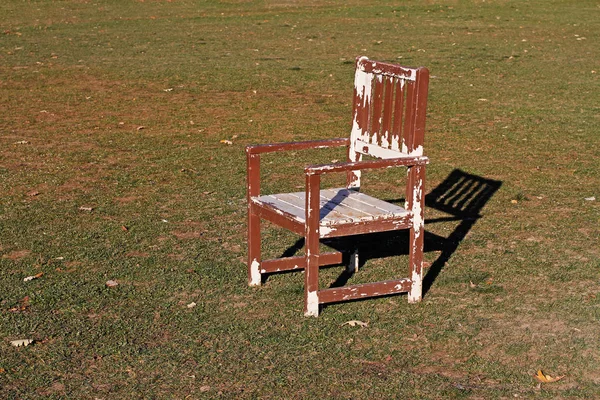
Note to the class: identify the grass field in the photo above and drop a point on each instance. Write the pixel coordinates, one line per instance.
(119, 106)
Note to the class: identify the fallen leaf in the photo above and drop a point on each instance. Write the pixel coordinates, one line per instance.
(112, 283)
(22, 142)
(21, 342)
(204, 388)
(124, 228)
(354, 323)
(590, 198)
(88, 209)
(168, 90)
(32, 277)
(547, 378)
(2, 370)
(226, 141)
(472, 285)
(191, 305)
(514, 201)
(139, 128)
(33, 193)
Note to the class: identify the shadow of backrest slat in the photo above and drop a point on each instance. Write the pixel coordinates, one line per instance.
(462, 194)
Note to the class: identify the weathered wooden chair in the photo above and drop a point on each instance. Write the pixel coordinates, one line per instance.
(388, 125)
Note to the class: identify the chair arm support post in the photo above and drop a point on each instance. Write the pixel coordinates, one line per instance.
(291, 146)
(253, 175)
(311, 238)
(369, 164)
(253, 189)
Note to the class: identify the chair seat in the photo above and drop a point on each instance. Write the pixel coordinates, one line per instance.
(338, 207)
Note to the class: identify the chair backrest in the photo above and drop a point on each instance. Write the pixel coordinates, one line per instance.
(389, 109)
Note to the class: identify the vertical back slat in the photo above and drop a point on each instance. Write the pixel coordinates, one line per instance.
(420, 106)
(398, 114)
(409, 119)
(388, 113)
(376, 116)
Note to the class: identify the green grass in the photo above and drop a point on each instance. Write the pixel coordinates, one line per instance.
(513, 97)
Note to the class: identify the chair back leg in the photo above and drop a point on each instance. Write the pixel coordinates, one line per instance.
(417, 233)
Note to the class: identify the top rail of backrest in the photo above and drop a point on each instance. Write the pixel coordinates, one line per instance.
(382, 68)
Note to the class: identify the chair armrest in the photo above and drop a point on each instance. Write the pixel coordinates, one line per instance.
(290, 146)
(370, 164)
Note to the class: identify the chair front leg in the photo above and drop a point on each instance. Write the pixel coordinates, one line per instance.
(311, 237)
(417, 233)
(253, 189)
(254, 257)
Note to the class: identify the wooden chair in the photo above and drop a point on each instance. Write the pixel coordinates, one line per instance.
(388, 125)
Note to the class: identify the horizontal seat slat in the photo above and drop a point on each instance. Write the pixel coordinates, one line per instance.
(338, 207)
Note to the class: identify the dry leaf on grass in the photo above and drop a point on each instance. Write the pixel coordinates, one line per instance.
(191, 305)
(88, 209)
(21, 342)
(2, 370)
(590, 198)
(354, 323)
(112, 283)
(540, 376)
(32, 277)
(22, 142)
(225, 141)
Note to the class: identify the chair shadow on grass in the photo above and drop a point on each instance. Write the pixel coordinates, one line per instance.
(461, 196)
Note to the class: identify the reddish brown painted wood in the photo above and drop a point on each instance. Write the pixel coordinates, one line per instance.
(409, 118)
(253, 189)
(389, 110)
(293, 146)
(375, 226)
(398, 114)
(298, 262)
(279, 217)
(383, 68)
(377, 115)
(417, 236)
(421, 106)
(369, 164)
(311, 240)
(365, 290)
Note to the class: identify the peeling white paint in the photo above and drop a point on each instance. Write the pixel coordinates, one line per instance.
(355, 133)
(416, 209)
(255, 279)
(312, 304)
(377, 151)
(384, 139)
(326, 230)
(414, 295)
(404, 148)
(362, 84)
(417, 152)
